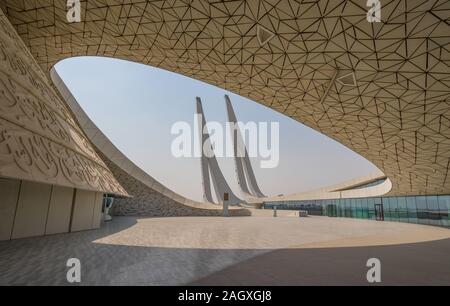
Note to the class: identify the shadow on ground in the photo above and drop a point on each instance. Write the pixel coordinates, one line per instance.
(42, 261)
(426, 263)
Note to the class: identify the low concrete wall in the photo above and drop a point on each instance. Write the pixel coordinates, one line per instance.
(269, 213)
(147, 202)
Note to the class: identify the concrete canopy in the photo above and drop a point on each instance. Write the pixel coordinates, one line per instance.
(397, 114)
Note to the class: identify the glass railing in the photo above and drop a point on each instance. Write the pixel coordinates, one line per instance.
(430, 210)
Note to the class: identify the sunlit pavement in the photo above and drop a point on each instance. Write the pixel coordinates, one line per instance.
(233, 251)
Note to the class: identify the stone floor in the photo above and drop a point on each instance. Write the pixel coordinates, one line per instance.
(233, 251)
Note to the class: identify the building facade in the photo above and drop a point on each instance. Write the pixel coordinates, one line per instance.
(381, 89)
(429, 210)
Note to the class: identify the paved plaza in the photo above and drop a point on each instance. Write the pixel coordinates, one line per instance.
(258, 250)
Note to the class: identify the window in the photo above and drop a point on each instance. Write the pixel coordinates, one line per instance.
(371, 208)
(412, 209)
(348, 208)
(387, 209)
(394, 209)
(354, 209)
(359, 210)
(444, 208)
(365, 209)
(433, 210)
(402, 209)
(335, 206)
(341, 211)
(422, 209)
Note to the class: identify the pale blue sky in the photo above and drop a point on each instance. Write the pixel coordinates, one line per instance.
(136, 105)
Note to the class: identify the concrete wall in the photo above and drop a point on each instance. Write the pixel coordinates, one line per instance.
(32, 210)
(9, 190)
(29, 209)
(60, 210)
(97, 216)
(83, 210)
(37, 129)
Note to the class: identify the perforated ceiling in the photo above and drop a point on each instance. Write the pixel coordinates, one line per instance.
(397, 115)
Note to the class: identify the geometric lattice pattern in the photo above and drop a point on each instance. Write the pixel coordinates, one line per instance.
(397, 115)
(39, 139)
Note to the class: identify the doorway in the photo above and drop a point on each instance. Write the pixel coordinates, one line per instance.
(379, 212)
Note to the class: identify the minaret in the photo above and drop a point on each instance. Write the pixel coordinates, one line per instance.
(244, 171)
(210, 166)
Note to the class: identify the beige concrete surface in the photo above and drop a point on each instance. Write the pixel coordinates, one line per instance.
(32, 209)
(58, 220)
(232, 251)
(269, 213)
(270, 233)
(97, 216)
(38, 129)
(9, 189)
(83, 210)
(342, 190)
(417, 264)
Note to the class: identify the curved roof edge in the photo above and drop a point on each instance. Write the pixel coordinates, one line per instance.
(102, 143)
(393, 110)
(341, 190)
(40, 140)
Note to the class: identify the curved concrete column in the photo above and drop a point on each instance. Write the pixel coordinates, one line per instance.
(343, 190)
(39, 139)
(148, 196)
